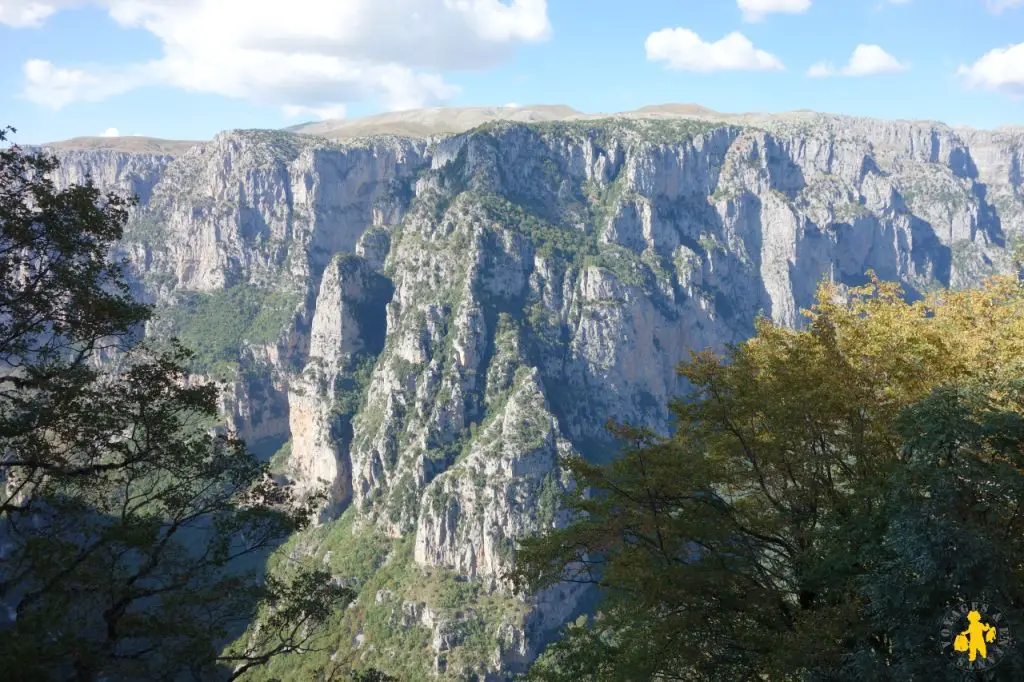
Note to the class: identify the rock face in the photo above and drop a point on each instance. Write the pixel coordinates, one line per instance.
(471, 308)
(320, 404)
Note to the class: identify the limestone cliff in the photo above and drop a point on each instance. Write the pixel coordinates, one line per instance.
(431, 324)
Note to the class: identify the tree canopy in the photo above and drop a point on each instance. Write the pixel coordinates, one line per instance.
(828, 495)
(131, 534)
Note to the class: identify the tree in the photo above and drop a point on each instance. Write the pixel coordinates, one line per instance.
(758, 539)
(953, 532)
(130, 534)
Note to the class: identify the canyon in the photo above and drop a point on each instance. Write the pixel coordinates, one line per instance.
(427, 323)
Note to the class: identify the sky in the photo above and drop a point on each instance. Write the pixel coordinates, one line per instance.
(187, 69)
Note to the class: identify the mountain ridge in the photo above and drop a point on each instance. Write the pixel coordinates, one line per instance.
(426, 123)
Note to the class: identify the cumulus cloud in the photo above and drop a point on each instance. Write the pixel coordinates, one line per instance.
(866, 60)
(756, 10)
(682, 49)
(29, 13)
(309, 56)
(110, 132)
(56, 87)
(820, 70)
(1000, 69)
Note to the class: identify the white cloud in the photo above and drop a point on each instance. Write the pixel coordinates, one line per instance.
(110, 132)
(26, 13)
(756, 10)
(1000, 69)
(56, 87)
(820, 70)
(511, 105)
(311, 56)
(866, 60)
(998, 6)
(682, 49)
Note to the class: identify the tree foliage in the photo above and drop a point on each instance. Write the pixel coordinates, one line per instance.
(828, 495)
(130, 534)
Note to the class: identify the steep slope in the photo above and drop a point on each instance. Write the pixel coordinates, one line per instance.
(428, 325)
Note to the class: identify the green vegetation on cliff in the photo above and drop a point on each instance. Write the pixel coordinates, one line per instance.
(399, 606)
(605, 132)
(216, 325)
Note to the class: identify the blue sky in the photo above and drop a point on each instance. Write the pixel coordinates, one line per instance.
(185, 69)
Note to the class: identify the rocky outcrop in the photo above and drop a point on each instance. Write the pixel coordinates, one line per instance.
(324, 396)
(257, 206)
(475, 307)
(112, 171)
(507, 486)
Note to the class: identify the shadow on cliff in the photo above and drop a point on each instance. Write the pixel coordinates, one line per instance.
(192, 541)
(351, 383)
(549, 188)
(989, 222)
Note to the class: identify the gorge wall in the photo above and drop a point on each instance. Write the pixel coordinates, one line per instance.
(426, 326)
